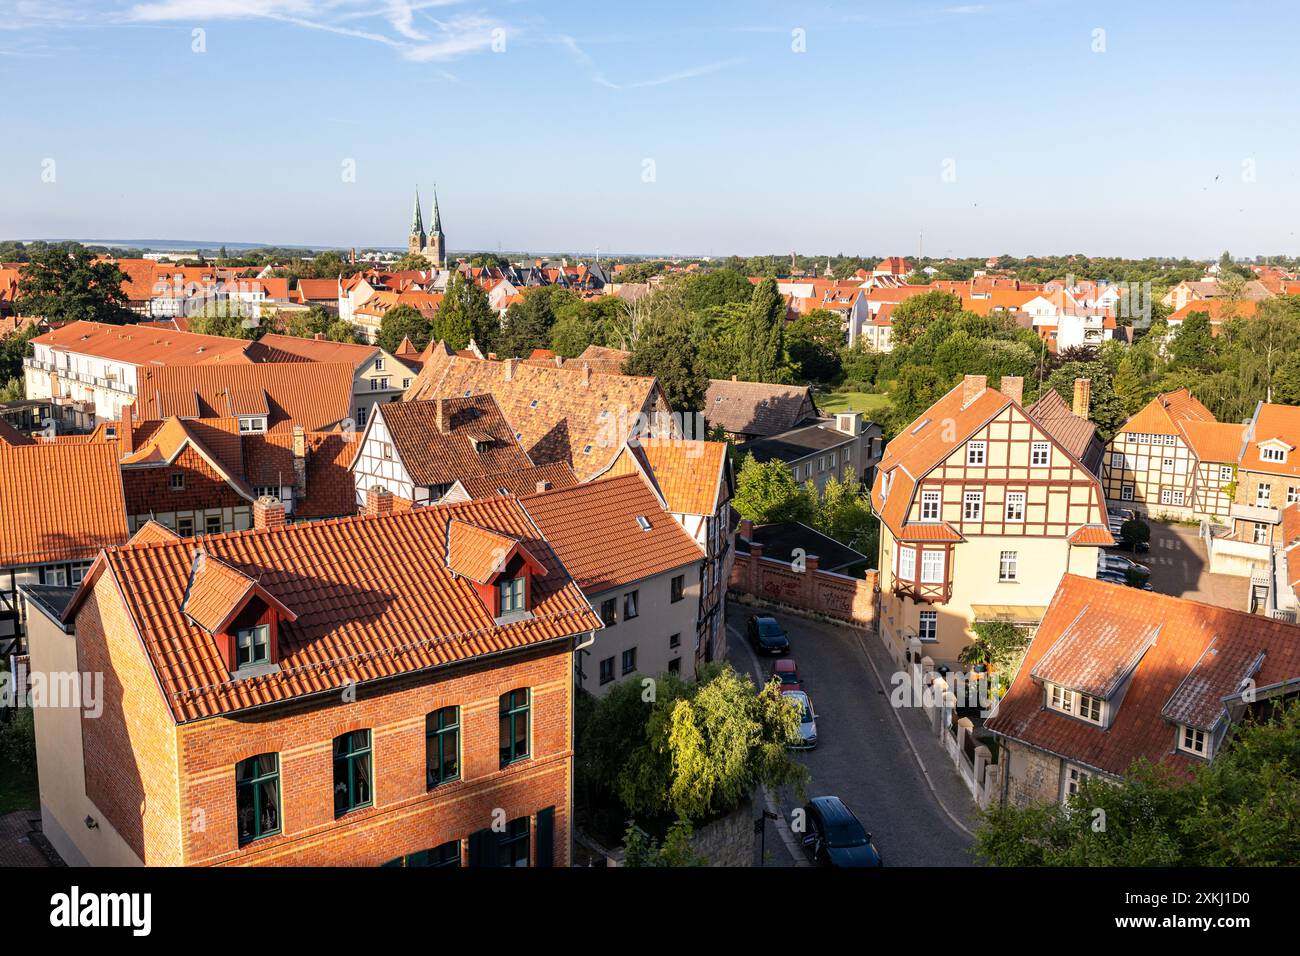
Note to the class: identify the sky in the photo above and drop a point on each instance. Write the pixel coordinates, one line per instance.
(706, 127)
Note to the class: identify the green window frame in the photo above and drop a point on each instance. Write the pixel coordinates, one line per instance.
(444, 855)
(512, 596)
(253, 646)
(677, 588)
(257, 797)
(515, 709)
(513, 845)
(353, 772)
(442, 746)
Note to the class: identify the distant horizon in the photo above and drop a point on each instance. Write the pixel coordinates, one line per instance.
(185, 245)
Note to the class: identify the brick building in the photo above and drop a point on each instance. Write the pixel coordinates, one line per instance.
(393, 688)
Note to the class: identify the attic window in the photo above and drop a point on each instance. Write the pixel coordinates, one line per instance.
(586, 450)
(253, 646)
(643, 522)
(533, 403)
(1192, 740)
(467, 393)
(604, 413)
(502, 491)
(1273, 453)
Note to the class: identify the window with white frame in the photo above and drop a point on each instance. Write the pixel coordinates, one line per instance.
(1071, 702)
(1016, 506)
(931, 567)
(1166, 496)
(976, 453)
(1180, 496)
(1126, 493)
(833, 459)
(1292, 494)
(1192, 740)
(1273, 453)
(973, 505)
(1225, 473)
(928, 628)
(1008, 565)
(1263, 494)
(930, 505)
(906, 563)
(1072, 781)
(1117, 459)
(1260, 535)
(1040, 453)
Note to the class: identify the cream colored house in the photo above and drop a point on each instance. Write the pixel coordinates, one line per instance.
(982, 510)
(1174, 460)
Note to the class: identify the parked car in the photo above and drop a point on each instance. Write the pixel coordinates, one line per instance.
(766, 635)
(807, 719)
(786, 672)
(1119, 577)
(1117, 562)
(835, 837)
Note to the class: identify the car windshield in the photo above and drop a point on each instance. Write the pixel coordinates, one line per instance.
(769, 628)
(846, 834)
(788, 677)
(805, 708)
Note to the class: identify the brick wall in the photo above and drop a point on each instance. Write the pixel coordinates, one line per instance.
(404, 817)
(1033, 776)
(129, 751)
(834, 595)
(149, 489)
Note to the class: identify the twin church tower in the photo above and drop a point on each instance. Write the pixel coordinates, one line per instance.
(434, 245)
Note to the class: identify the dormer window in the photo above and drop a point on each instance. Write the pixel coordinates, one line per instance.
(1273, 453)
(253, 646)
(512, 596)
(1193, 740)
(1083, 706)
(252, 425)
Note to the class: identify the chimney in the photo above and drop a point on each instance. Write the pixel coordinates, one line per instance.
(440, 405)
(543, 485)
(268, 512)
(510, 369)
(586, 375)
(379, 501)
(1013, 387)
(971, 386)
(734, 378)
(1082, 397)
(319, 336)
(125, 434)
(746, 529)
(299, 461)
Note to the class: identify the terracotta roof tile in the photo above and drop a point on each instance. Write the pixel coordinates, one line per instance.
(690, 474)
(520, 481)
(594, 529)
(756, 408)
(374, 598)
(59, 502)
(1105, 626)
(145, 346)
(1214, 441)
(479, 553)
(441, 440)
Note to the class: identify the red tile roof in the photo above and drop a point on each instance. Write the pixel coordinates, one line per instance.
(520, 481)
(217, 592)
(478, 553)
(59, 502)
(1279, 423)
(373, 596)
(1185, 658)
(317, 396)
(474, 438)
(757, 408)
(12, 436)
(691, 475)
(294, 348)
(1093, 535)
(594, 529)
(145, 345)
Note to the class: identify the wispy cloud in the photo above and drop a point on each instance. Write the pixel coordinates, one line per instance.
(584, 60)
(405, 25)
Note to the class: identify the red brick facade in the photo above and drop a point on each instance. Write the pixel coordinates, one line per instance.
(149, 490)
(136, 757)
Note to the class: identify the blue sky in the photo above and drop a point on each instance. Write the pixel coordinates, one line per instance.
(1003, 126)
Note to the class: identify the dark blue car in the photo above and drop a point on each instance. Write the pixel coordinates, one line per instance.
(767, 635)
(835, 837)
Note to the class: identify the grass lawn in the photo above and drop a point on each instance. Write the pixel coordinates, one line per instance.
(18, 789)
(866, 402)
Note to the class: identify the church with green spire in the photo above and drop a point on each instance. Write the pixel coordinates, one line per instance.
(433, 245)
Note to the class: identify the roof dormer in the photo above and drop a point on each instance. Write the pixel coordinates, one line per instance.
(1275, 450)
(499, 567)
(238, 613)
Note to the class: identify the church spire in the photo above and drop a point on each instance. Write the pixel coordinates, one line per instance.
(417, 221)
(437, 219)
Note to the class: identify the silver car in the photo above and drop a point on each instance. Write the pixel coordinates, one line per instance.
(807, 719)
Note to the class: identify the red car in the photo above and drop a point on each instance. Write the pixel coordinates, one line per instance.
(786, 672)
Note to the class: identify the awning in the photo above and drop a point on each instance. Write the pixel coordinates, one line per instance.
(1009, 613)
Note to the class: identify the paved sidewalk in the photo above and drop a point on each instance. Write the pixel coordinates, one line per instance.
(16, 846)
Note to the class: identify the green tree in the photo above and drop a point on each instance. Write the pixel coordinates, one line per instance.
(413, 262)
(454, 324)
(766, 492)
(66, 283)
(640, 849)
(763, 358)
(308, 323)
(225, 317)
(403, 322)
(528, 323)
(667, 350)
(1193, 345)
(842, 512)
(814, 341)
(717, 288)
(925, 314)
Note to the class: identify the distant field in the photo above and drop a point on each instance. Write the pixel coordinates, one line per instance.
(869, 404)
